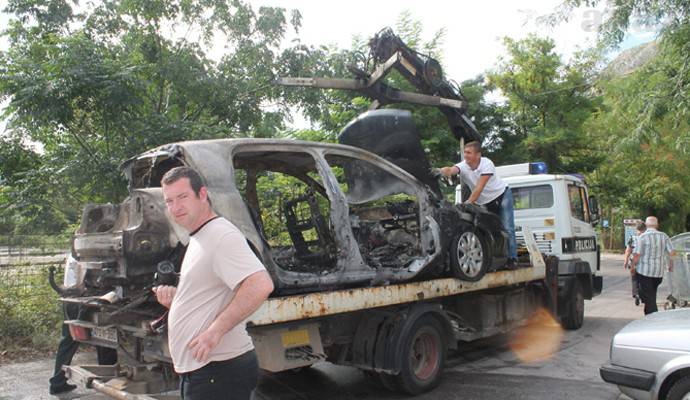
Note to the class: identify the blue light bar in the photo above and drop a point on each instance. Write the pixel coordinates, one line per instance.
(538, 168)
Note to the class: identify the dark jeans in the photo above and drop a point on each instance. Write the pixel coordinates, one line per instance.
(648, 287)
(233, 379)
(503, 206)
(68, 347)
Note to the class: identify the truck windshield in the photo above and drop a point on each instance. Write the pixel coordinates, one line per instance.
(540, 196)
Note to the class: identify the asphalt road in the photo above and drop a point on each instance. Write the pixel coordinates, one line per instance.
(485, 370)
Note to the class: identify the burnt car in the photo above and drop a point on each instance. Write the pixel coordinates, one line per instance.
(320, 216)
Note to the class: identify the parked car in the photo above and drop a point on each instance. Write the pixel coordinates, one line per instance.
(650, 357)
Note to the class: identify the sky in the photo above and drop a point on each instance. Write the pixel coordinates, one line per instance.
(474, 29)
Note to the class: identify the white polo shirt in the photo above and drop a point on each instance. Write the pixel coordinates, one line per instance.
(494, 186)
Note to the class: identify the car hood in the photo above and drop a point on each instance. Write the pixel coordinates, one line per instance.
(392, 134)
(661, 330)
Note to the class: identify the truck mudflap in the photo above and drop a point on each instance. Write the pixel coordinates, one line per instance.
(129, 383)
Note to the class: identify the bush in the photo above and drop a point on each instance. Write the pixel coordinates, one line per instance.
(31, 312)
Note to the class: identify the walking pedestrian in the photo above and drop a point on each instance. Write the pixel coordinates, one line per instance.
(652, 255)
(640, 228)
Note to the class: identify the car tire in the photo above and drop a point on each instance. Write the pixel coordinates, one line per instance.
(469, 255)
(424, 356)
(575, 308)
(680, 389)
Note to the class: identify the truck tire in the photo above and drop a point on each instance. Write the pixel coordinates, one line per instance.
(469, 256)
(680, 390)
(575, 308)
(423, 357)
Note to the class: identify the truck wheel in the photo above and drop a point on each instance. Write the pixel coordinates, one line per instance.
(423, 356)
(575, 308)
(680, 390)
(469, 256)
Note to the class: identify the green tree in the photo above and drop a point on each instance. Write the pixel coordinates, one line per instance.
(671, 18)
(548, 102)
(645, 171)
(644, 124)
(91, 86)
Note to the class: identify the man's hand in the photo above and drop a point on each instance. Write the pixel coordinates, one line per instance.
(202, 345)
(165, 294)
(448, 172)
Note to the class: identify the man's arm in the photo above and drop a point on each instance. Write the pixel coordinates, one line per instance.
(250, 294)
(478, 189)
(627, 254)
(636, 258)
(448, 172)
(671, 253)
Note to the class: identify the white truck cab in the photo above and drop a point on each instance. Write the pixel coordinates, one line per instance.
(561, 214)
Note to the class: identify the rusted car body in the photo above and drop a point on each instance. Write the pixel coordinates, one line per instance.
(319, 215)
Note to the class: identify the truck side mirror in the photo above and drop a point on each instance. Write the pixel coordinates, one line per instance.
(594, 210)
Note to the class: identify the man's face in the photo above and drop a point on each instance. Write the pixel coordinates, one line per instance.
(184, 205)
(472, 157)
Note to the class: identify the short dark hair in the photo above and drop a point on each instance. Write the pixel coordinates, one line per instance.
(641, 226)
(475, 146)
(178, 173)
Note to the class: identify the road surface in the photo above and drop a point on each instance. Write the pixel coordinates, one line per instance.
(484, 370)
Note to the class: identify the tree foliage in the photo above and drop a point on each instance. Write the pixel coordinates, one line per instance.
(548, 100)
(643, 128)
(669, 93)
(90, 86)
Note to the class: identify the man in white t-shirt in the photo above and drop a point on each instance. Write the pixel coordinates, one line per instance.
(221, 283)
(479, 173)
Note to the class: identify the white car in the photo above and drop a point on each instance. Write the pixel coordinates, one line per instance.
(650, 357)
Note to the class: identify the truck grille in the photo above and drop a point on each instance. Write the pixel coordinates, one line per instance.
(545, 245)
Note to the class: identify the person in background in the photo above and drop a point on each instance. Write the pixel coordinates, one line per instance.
(652, 254)
(68, 346)
(629, 249)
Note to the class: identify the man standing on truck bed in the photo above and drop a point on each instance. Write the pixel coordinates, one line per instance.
(221, 283)
(479, 173)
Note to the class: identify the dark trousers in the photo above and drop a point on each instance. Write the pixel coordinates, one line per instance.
(635, 285)
(68, 347)
(233, 379)
(648, 287)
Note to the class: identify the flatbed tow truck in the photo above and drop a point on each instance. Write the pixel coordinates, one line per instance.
(386, 277)
(398, 334)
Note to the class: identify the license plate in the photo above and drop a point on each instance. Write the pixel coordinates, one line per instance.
(295, 338)
(105, 334)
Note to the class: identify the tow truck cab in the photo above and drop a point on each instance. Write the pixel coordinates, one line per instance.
(561, 214)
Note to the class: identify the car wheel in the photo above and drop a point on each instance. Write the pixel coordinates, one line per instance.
(575, 308)
(469, 256)
(680, 390)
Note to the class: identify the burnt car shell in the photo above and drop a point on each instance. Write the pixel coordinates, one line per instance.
(348, 217)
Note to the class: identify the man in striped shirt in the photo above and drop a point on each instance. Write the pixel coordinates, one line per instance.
(652, 253)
